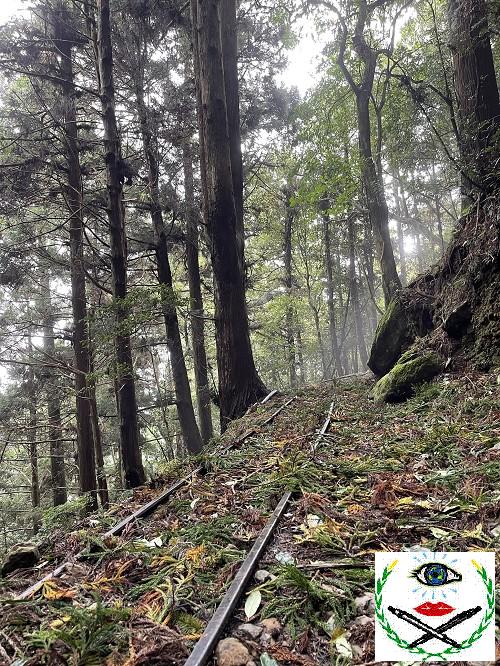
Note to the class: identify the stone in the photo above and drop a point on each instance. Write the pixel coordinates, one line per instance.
(400, 382)
(231, 652)
(249, 630)
(20, 557)
(365, 603)
(271, 626)
(261, 575)
(457, 322)
(392, 337)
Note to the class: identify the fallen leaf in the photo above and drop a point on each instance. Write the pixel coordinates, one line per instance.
(343, 646)
(52, 592)
(252, 603)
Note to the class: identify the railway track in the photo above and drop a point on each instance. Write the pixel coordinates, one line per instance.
(225, 612)
(205, 647)
(150, 507)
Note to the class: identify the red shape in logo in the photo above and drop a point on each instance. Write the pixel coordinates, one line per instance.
(434, 610)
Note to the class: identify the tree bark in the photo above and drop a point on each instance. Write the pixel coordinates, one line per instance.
(401, 241)
(196, 302)
(55, 435)
(332, 326)
(133, 470)
(357, 319)
(32, 446)
(239, 384)
(74, 202)
(477, 94)
(288, 284)
(229, 38)
(376, 201)
(184, 403)
(373, 183)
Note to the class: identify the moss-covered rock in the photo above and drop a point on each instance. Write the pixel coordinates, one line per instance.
(401, 381)
(393, 335)
(20, 557)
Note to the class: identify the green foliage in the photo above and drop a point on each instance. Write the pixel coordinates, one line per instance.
(89, 634)
(67, 515)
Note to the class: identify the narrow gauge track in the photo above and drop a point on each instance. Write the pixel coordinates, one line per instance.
(205, 646)
(150, 507)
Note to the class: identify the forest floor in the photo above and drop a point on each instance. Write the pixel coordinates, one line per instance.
(424, 474)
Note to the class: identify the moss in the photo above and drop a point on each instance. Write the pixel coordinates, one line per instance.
(400, 382)
(392, 337)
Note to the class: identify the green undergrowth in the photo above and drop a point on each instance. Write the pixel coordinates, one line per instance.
(425, 473)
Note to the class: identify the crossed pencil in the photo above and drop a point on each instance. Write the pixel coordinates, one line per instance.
(434, 632)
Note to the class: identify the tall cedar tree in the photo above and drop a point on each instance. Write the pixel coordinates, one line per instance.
(64, 40)
(196, 298)
(133, 470)
(239, 383)
(184, 403)
(477, 94)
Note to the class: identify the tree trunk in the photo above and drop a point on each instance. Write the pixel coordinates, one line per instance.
(239, 384)
(74, 202)
(332, 326)
(55, 435)
(300, 355)
(102, 483)
(32, 446)
(357, 319)
(401, 241)
(288, 284)
(184, 403)
(133, 470)
(196, 302)
(229, 38)
(376, 201)
(477, 94)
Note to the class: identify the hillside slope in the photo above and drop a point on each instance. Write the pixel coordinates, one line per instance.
(424, 474)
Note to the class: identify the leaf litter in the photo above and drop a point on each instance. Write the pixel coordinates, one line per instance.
(423, 474)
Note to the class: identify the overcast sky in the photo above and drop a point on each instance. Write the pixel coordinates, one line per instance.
(7, 8)
(299, 72)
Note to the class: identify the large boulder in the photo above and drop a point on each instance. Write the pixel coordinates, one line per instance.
(403, 321)
(392, 338)
(406, 375)
(20, 557)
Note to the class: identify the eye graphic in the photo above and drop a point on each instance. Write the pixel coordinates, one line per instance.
(434, 574)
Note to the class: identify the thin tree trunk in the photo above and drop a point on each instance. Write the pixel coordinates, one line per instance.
(300, 354)
(239, 384)
(133, 470)
(55, 435)
(32, 445)
(102, 483)
(196, 302)
(376, 201)
(288, 284)
(357, 319)
(401, 241)
(332, 326)
(74, 202)
(184, 403)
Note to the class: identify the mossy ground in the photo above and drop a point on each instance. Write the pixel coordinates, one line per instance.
(424, 473)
